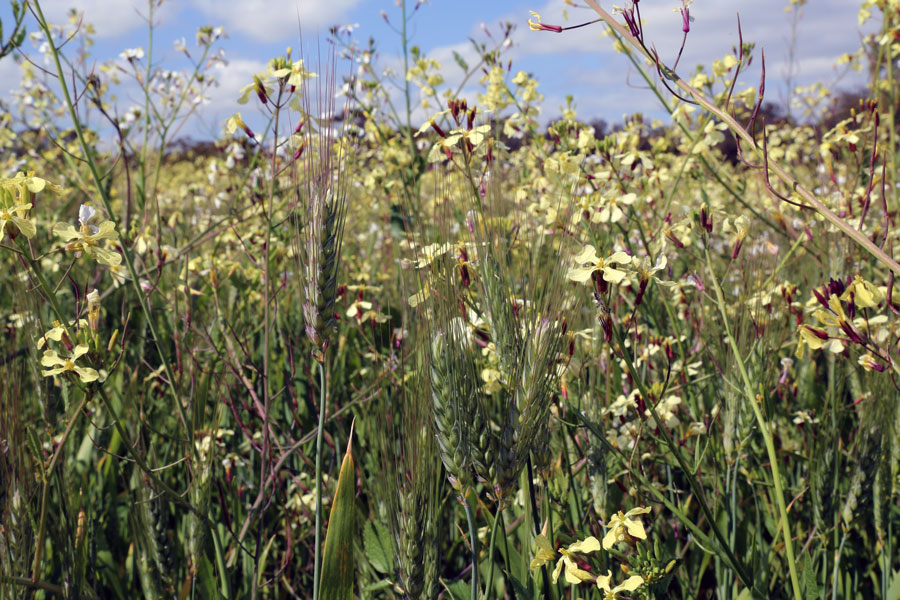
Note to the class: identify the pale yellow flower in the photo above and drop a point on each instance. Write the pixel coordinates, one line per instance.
(622, 524)
(610, 593)
(590, 263)
(58, 364)
(567, 564)
(87, 239)
(864, 294)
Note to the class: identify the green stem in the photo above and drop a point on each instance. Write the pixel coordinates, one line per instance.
(753, 400)
(319, 440)
(45, 487)
(535, 519)
(490, 578)
(473, 540)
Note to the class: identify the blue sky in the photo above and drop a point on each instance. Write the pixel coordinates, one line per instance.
(577, 62)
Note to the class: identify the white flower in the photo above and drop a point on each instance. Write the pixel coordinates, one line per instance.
(132, 54)
(85, 214)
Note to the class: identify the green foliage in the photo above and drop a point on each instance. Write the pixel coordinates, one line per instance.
(643, 362)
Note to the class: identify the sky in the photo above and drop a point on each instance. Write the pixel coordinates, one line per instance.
(578, 62)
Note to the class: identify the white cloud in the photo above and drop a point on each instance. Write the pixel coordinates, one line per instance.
(110, 18)
(823, 33)
(10, 76)
(272, 20)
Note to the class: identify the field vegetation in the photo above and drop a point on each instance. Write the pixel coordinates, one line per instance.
(358, 353)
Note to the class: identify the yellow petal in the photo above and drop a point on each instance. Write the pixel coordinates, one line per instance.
(574, 575)
(66, 231)
(106, 257)
(811, 339)
(613, 275)
(25, 226)
(51, 359)
(545, 552)
(586, 546)
(587, 255)
(558, 570)
(86, 374)
(106, 231)
(35, 184)
(603, 581)
(609, 540)
(629, 585)
(580, 274)
(635, 529)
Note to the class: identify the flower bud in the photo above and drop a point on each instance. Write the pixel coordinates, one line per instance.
(93, 310)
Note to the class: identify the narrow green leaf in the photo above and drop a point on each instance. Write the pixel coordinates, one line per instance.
(460, 61)
(337, 564)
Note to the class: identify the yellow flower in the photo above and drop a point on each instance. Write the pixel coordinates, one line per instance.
(57, 332)
(612, 210)
(88, 236)
(535, 24)
(545, 552)
(59, 365)
(621, 524)
(296, 75)
(864, 294)
(15, 202)
(234, 123)
(591, 262)
(811, 337)
(15, 215)
(89, 242)
(629, 585)
(573, 574)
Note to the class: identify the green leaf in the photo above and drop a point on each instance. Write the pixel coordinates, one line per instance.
(894, 590)
(522, 592)
(458, 590)
(337, 564)
(808, 580)
(459, 60)
(207, 576)
(379, 549)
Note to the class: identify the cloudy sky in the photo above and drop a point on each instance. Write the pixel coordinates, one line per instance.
(578, 62)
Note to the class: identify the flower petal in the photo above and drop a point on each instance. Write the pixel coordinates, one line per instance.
(558, 570)
(25, 226)
(87, 374)
(66, 231)
(106, 231)
(603, 581)
(609, 540)
(635, 529)
(545, 552)
(51, 359)
(588, 545)
(581, 274)
(106, 257)
(613, 275)
(629, 585)
(587, 255)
